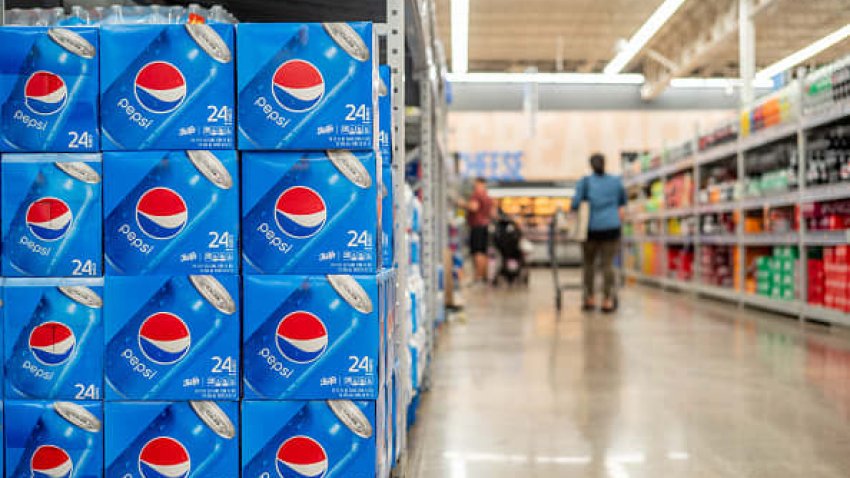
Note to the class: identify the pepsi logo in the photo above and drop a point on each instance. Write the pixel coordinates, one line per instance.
(50, 461)
(161, 213)
(52, 343)
(49, 218)
(300, 212)
(164, 457)
(298, 86)
(45, 93)
(160, 87)
(301, 337)
(301, 457)
(164, 338)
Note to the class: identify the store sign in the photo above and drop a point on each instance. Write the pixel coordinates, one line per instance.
(496, 165)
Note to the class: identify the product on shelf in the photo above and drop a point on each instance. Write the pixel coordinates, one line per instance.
(771, 170)
(827, 216)
(725, 133)
(718, 223)
(828, 156)
(776, 274)
(827, 86)
(680, 263)
(829, 276)
(777, 108)
(679, 191)
(718, 266)
(719, 183)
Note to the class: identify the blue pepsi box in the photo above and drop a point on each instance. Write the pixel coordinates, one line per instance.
(49, 89)
(53, 439)
(171, 212)
(317, 438)
(306, 86)
(385, 149)
(167, 86)
(172, 338)
(196, 439)
(312, 337)
(53, 338)
(311, 213)
(51, 208)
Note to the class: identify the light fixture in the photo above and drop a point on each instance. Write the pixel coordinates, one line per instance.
(645, 33)
(561, 78)
(460, 36)
(804, 54)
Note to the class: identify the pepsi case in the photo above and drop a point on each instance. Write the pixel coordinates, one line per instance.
(167, 86)
(385, 150)
(53, 338)
(49, 89)
(301, 439)
(51, 210)
(312, 337)
(53, 439)
(172, 338)
(194, 439)
(311, 213)
(306, 86)
(171, 212)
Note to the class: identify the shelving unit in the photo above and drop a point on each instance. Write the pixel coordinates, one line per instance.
(795, 130)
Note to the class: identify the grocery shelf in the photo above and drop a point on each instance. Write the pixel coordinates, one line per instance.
(718, 207)
(769, 135)
(717, 292)
(718, 239)
(678, 212)
(833, 113)
(774, 200)
(827, 238)
(678, 239)
(770, 239)
(823, 314)
(717, 153)
(786, 307)
(827, 192)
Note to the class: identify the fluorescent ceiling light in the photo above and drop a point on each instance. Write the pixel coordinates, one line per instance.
(715, 83)
(800, 56)
(460, 36)
(565, 78)
(643, 35)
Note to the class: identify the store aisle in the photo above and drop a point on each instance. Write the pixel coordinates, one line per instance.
(671, 387)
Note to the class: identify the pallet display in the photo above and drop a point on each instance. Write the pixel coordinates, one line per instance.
(753, 211)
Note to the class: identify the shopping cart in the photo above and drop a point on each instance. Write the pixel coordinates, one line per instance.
(563, 229)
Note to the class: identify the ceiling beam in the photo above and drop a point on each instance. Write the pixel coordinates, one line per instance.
(644, 34)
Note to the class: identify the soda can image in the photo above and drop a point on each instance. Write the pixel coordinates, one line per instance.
(306, 86)
(297, 439)
(53, 338)
(172, 338)
(195, 439)
(311, 337)
(167, 86)
(53, 439)
(49, 89)
(51, 215)
(171, 212)
(311, 213)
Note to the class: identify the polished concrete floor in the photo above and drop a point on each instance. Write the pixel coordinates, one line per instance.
(671, 386)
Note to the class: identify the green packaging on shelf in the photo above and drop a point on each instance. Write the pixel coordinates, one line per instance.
(764, 263)
(763, 274)
(764, 288)
(786, 252)
(787, 294)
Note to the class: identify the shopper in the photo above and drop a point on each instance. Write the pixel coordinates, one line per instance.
(479, 212)
(607, 199)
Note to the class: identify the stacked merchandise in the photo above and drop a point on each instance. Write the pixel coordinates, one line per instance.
(679, 191)
(777, 108)
(717, 264)
(828, 156)
(829, 276)
(777, 275)
(655, 201)
(827, 87)
(827, 216)
(138, 374)
(725, 133)
(719, 184)
(680, 263)
(771, 170)
(316, 296)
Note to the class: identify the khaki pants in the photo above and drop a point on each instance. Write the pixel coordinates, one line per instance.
(604, 252)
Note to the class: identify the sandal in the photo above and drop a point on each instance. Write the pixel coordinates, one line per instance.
(611, 309)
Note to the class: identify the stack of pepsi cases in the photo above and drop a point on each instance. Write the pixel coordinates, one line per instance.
(155, 275)
(315, 292)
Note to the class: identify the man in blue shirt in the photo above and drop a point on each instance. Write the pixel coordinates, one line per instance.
(607, 199)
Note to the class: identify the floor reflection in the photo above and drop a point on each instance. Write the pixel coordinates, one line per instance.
(671, 386)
